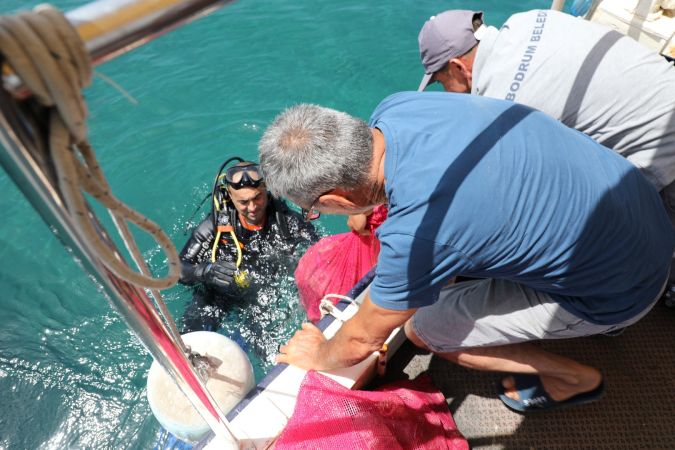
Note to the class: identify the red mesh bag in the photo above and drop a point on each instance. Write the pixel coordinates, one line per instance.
(336, 263)
(405, 415)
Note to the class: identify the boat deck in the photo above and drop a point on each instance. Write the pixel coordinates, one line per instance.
(637, 412)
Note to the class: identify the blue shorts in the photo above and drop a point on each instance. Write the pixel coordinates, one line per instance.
(486, 313)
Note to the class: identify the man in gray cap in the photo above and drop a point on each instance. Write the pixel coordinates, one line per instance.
(589, 77)
(448, 44)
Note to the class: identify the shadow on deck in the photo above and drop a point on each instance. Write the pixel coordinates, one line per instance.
(637, 412)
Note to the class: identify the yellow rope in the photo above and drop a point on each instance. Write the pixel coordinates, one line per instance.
(46, 53)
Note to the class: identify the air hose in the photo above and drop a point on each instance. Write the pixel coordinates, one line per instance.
(241, 277)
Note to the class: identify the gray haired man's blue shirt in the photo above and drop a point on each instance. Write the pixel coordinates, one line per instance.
(488, 188)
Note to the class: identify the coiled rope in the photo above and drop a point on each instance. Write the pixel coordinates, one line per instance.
(47, 54)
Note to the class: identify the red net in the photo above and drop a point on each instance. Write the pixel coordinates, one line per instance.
(336, 263)
(402, 415)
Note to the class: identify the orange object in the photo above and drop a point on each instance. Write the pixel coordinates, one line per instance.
(382, 360)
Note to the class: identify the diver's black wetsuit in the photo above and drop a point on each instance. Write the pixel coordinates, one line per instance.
(279, 244)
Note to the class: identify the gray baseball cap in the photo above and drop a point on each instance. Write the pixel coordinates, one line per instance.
(445, 36)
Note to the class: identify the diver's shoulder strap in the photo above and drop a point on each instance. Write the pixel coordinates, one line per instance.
(280, 214)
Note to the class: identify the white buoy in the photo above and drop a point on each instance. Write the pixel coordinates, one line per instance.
(228, 385)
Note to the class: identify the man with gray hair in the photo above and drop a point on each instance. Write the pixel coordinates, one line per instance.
(485, 189)
(586, 75)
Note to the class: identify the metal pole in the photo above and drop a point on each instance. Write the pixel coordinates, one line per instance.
(109, 28)
(558, 5)
(112, 27)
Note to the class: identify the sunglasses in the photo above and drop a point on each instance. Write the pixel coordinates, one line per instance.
(243, 176)
(312, 213)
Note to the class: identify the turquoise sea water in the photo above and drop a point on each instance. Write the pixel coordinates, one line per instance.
(71, 375)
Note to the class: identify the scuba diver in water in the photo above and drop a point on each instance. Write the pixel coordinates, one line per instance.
(248, 233)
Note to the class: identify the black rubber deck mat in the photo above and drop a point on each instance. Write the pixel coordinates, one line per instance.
(637, 412)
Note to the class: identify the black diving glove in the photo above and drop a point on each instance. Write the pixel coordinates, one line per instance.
(216, 275)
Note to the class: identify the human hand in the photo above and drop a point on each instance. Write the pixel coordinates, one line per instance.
(357, 223)
(304, 348)
(217, 275)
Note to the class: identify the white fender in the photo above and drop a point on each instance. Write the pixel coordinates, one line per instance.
(232, 380)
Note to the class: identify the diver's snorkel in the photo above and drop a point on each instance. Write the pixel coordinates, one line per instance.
(220, 197)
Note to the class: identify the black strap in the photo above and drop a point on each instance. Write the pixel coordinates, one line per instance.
(280, 209)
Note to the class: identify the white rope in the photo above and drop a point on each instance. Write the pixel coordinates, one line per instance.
(46, 53)
(327, 307)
